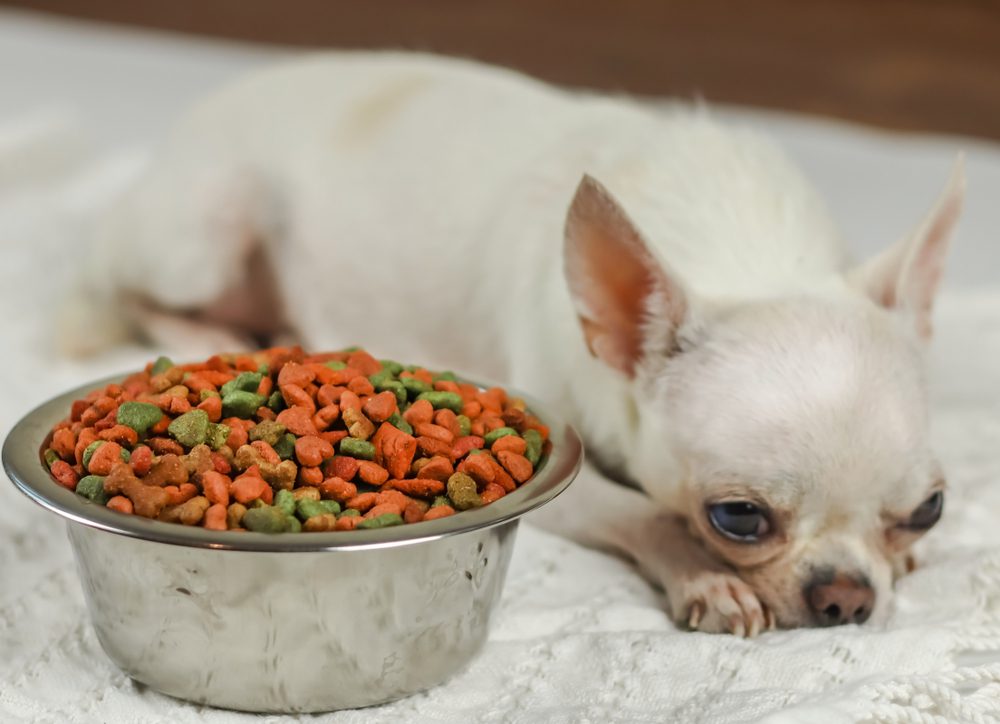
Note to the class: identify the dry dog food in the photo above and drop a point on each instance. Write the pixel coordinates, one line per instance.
(281, 440)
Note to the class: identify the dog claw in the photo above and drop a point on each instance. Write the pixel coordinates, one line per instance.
(770, 620)
(694, 617)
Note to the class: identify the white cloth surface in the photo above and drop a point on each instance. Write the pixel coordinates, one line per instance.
(578, 635)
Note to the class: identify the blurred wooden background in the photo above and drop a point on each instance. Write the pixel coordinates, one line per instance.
(907, 64)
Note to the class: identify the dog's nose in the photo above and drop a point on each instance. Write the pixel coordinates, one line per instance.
(842, 600)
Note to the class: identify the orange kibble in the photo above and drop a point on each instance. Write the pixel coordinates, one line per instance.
(478, 468)
(215, 487)
(141, 460)
(104, 458)
(121, 504)
(448, 420)
(419, 412)
(341, 466)
(247, 488)
(393, 496)
(360, 502)
(383, 509)
(329, 395)
(413, 512)
(295, 396)
(438, 468)
(311, 476)
(326, 416)
(380, 407)
(347, 522)
(372, 473)
(509, 443)
(64, 474)
(431, 446)
(311, 450)
(293, 373)
(215, 517)
(298, 421)
(266, 452)
(361, 386)
(212, 407)
(349, 401)
(63, 442)
(439, 511)
(364, 363)
(429, 429)
(519, 467)
(464, 444)
(491, 493)
(337, 489)
(418, 487)
(472, 409)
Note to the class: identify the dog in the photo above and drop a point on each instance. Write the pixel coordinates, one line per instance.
(753, 404)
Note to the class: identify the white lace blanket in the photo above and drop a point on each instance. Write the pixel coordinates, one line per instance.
(578, 636)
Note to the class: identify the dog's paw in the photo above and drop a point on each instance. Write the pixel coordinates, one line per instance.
(715, 602)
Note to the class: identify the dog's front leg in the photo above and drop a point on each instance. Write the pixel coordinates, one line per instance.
(704, 593)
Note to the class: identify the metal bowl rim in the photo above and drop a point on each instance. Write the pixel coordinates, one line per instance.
(22, 463)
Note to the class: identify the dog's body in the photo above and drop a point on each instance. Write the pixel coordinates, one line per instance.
(417, 206)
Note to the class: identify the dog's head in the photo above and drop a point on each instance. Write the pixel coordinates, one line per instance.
(797, 425)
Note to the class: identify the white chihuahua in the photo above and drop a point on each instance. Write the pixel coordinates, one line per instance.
(693, 315)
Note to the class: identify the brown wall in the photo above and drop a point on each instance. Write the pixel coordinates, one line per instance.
(911, 64)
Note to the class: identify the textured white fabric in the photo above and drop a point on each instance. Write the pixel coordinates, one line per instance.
(578, 636)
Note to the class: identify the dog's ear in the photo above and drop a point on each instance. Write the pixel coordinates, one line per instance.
(628, 303)
(906, 275)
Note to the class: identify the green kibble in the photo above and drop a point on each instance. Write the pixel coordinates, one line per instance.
(267, 430)
(306, 508)
(438, 400)
(294, 526)
(476, 451)
(464, 425)
(357, 448)
(161, 365)
(140, 416)
(276, 402)
(88, 453)
(285, 502)
(397, 421)
(205, 394)
(534, 449)
(330, 506)
(50, 456)
(463, 493)
(285, 447)
(217, 435)
(190, 429)
(350, 513)
(266, 519)
(440, 500)
(494, 435)
(447, 375)
(352, 348)
(392, 366)
(243, 382)
(415, 387)
(125, 455)
(92, 488)
(263, 370)
(382, 521)
(241, 403)
(336, 364)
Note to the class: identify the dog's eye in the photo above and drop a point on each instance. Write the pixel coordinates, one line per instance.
(927, 513)
(739, 521)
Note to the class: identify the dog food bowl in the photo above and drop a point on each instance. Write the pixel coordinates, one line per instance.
(295, 622)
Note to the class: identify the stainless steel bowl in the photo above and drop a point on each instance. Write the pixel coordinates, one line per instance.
(291, 622)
